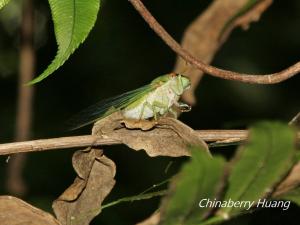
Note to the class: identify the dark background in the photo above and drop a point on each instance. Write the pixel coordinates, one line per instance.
(122, 53)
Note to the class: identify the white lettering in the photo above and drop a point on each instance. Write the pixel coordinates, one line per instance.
(200, 203)
(263, 203)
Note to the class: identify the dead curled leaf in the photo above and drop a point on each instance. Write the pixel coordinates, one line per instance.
(93, 183)
(14, 211)
(244, 20)
(167, 136)
(202, 36)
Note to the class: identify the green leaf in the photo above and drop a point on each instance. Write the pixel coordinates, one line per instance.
(73, 20)
(3, 3)
(262, 163)
(198, 179)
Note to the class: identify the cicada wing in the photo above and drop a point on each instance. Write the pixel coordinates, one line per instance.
(107, 107)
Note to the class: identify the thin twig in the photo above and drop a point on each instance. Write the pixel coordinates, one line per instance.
(92, 140)
(225, 74)
(54, 143)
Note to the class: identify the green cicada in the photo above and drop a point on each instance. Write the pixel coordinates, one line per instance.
(150, 101)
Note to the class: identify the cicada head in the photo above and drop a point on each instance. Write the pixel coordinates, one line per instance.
(183, 81)
(180, 83)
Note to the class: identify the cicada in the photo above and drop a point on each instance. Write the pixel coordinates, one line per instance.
(147, 102)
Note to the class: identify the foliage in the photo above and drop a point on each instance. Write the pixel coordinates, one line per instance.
(256, 170)
(73, 20)
(198, 179)
(3, 3)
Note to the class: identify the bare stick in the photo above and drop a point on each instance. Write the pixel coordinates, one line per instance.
(54, 143)
(225, 74)
(227, 136)
(92, 140)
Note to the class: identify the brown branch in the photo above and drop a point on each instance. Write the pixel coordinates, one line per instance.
(225, 74)
(226, 136)
(92, 140)
(54, 143)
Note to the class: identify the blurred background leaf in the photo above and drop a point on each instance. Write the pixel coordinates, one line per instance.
(260, 164)
(198, 179)
(3, 3)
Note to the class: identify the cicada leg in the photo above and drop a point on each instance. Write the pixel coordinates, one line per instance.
(142, 110)
(183, 107)
(173, 112)
(160, 105)
(151, 107)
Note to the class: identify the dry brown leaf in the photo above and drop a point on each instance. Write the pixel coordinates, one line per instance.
(81, 202)
(140, 124)
(168, 137)
(290, 182)
(108, 124)
(244, 20)
(202, 36)
(116, 120)
(14, 211)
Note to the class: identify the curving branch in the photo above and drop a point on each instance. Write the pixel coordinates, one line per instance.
(224, 74)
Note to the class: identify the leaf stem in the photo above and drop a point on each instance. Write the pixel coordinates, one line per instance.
(135, 198)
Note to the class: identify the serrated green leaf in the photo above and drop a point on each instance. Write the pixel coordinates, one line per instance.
(73, 20)
(3, 3)
(263, 161)
(197, 180)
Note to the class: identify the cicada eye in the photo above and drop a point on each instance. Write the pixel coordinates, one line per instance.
(185, 82)
(173, 75)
